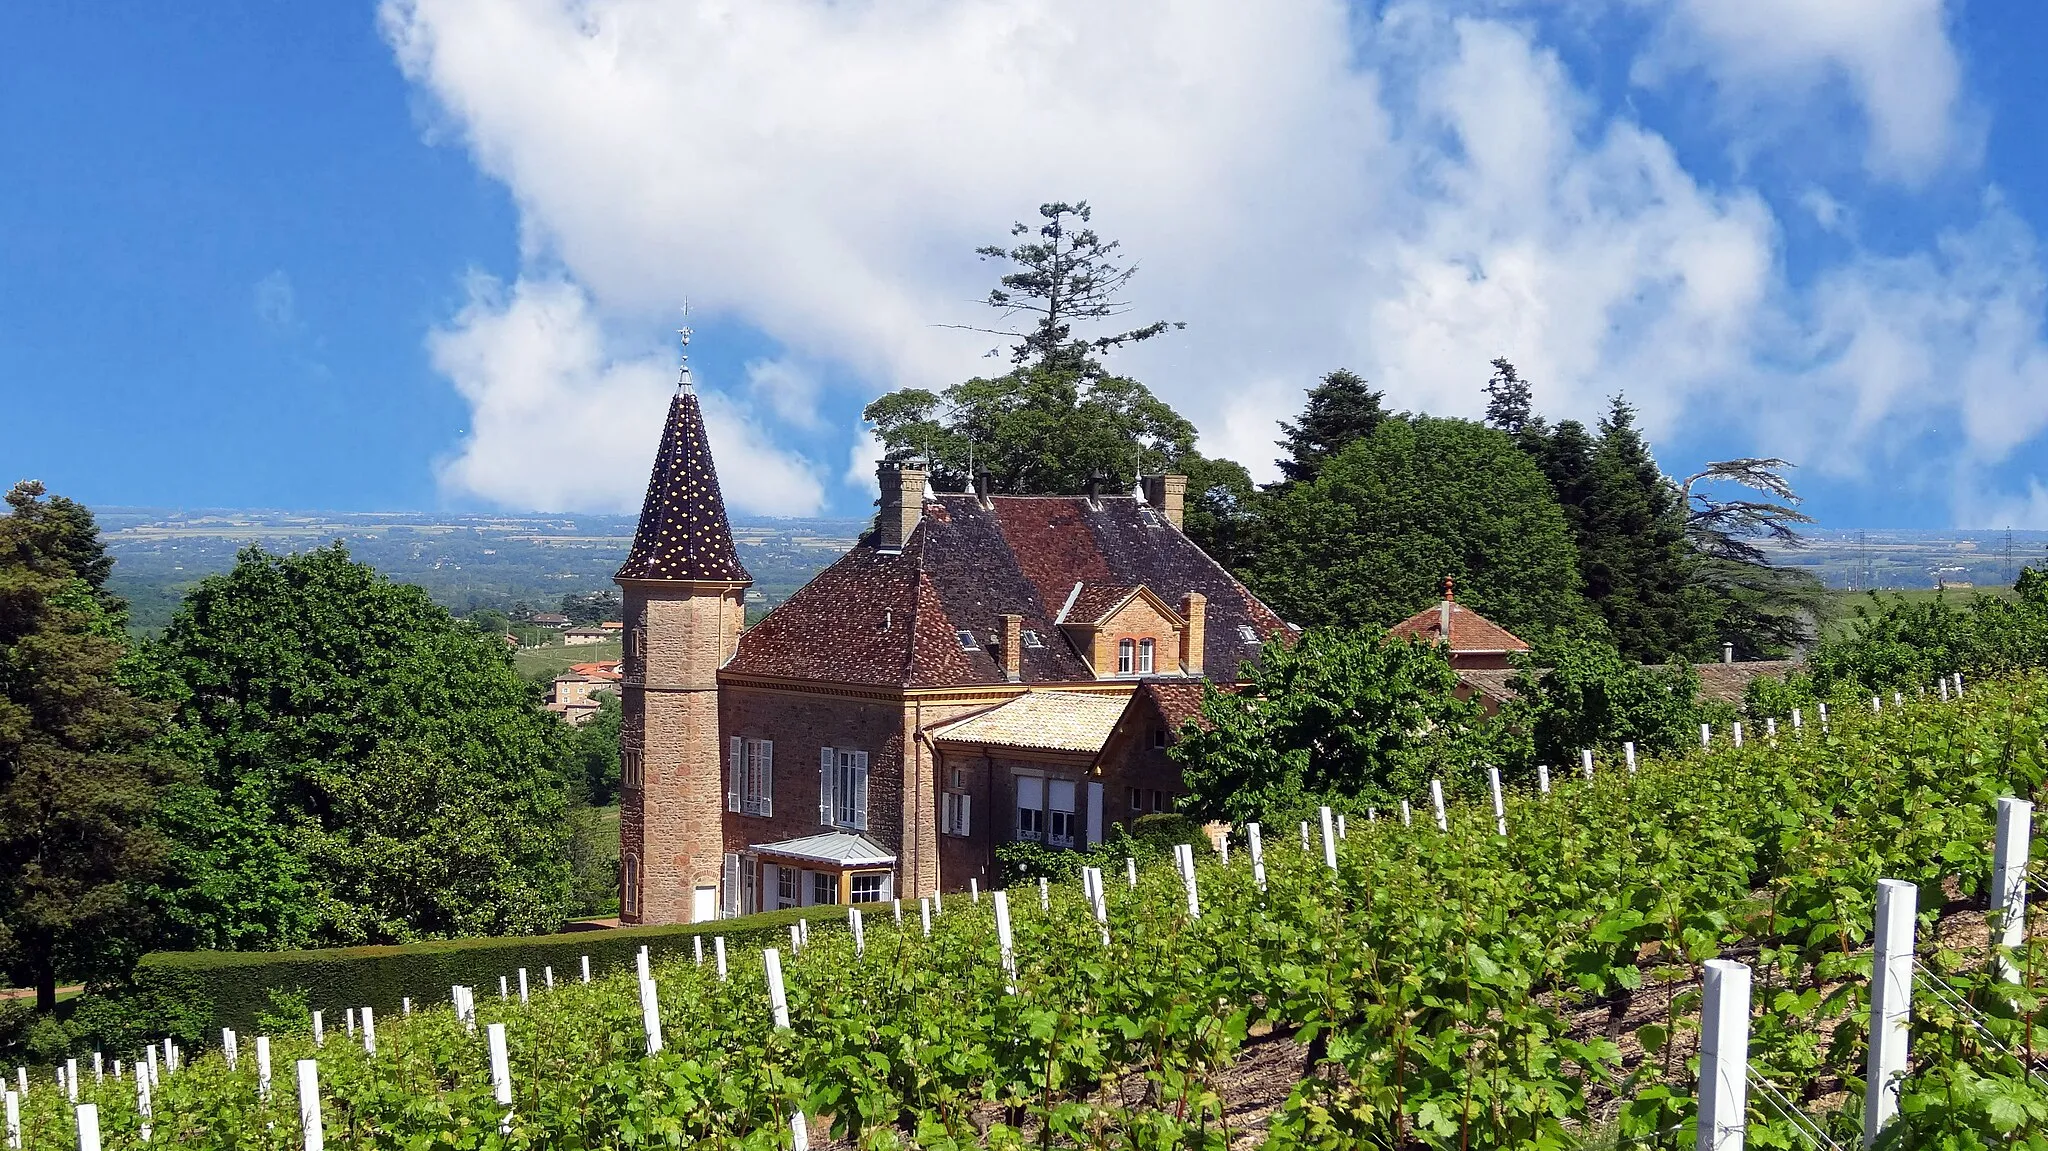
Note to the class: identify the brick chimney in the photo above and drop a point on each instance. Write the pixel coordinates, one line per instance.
(1167, 493)
(1012, 637)
(902, 503)
(1194, 607)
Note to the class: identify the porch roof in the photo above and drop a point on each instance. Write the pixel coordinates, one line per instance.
(839, 848)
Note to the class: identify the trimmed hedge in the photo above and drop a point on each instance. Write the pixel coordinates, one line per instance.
(193, 994)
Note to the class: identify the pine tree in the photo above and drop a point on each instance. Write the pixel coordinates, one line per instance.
(1341, 410)
(1509, 398)
(77, 780)
(1633, 553)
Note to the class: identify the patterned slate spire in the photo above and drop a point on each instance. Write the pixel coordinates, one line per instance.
(683, 534)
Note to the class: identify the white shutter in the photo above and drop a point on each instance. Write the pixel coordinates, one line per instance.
(1094, 814)
(767, 777)
(860, 790)
(1059, 795)
(732, 885)
(736, 767)
(828, 766)
(966, 806)
(1030, 795)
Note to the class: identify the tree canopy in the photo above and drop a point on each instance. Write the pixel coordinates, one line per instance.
(367, 768)
(1341, 409)
(1369, 541)
(78, 779)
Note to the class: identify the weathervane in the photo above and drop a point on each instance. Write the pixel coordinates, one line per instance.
(683, 377)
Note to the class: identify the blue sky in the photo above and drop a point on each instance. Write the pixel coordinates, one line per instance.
(426, 255)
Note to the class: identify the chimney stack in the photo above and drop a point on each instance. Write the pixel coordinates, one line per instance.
(1095, 490)
(902, 503)
(1013, 648)
(1727, 653)
(1443, 613)
(1194, 607)
(983, 481)
(1167, 493)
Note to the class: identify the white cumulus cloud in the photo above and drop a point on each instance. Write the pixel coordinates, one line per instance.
(1407, 191)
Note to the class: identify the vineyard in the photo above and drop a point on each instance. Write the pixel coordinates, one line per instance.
(1457, 988)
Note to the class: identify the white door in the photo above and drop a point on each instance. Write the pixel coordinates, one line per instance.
(704, 904)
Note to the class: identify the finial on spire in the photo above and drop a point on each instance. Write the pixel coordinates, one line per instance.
(683, 333)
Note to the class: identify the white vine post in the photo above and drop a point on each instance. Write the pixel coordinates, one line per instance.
(650, 1015)
(1004, 940)
(88, 1127)
(974, 890)
(1959, 685)
(1898, 699)
(586, 969)
(547, 974)
(640, 965)
(1543, 778)
(2009, 876)
(228, 1048)
(369, 1032)
(1304, 836)
(778, 998)
(896, 905)
(1706, 735)
(1329, 839)
(938, 902)
(142, 1107)
(1340, 826)
(1724, 1056)
(71, 1080)
(21, 1077)
(1628, 752)
(1876, 708)
(799, 1132)
(697, 948)
(1586, 762)
(501, 1074)
(1891, 1003)
(1044, 895)
(99, 1064)
(1258, 847)
(309, 1106)
(860, 935)
(1798, 721)
(319, 1038)
(263, 1066)
(1436, 797)
(1101, 907)
(924, 913)
(796, 940)
(405, 1006)
(1943, 683)
(1823, 718)
(1738, 733)
(348, 1024)
(718, 955)
(1131, 870)
(1771, 728)
(504, 989)
(13, 1120)
(1407, 816)
(1500, 813)
(1223, 842)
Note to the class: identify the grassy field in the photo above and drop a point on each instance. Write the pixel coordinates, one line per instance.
(547, 662)
(1846, 603)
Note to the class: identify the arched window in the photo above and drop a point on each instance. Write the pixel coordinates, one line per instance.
(629, 886)
(1125, 650)
(1144, 657)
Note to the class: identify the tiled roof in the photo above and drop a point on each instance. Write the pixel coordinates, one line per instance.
(1470, 631)
(1043, 720)
(1722, 682)
(840, 847)
(1096, 600)
(894, 619)
(683, 533)
(1177, 702)
(1491, 682)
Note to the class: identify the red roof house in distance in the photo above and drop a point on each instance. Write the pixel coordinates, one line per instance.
(1473, 641)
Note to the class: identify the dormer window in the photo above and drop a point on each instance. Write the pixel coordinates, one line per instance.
(1031, 639)
(1245, 633)
(1126, 656)
(1144, 657)
(967, 641)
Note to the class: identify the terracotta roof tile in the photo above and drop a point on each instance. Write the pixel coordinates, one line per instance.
(1470, 631)
(683, 533)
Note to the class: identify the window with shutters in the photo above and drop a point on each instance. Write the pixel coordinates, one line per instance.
(629, 884)
(1144, 657)
(954, 808)
(867, 887)
(750, 776)
(1030, 807)
(1059, 812)
(1125, 655)
(843, 788)
(630, 769)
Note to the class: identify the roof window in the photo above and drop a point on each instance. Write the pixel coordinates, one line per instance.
(1031, 639)
(967, 641)
(1245, 633)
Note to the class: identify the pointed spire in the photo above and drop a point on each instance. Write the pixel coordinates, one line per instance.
(683, 533)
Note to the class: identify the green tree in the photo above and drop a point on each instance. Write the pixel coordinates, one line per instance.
(367, 768)
(593, 607)
(1761, 608)
(1893, 642)
(77, 778)
(593, 753)
(1340, 717)
(1369, 541)
(1578, 693)
(1510, 400)
(1639, 569)
(1341, 410)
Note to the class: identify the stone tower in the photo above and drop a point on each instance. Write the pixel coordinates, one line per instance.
(684, 591)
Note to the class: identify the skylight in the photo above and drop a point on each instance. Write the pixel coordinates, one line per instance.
(967, 642)
(1031, 639)
(1245, 633)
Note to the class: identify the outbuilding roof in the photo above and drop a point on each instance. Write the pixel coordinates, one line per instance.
(1042, 721)
(842, 848)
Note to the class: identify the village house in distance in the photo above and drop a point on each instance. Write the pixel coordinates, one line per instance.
(979, 669)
